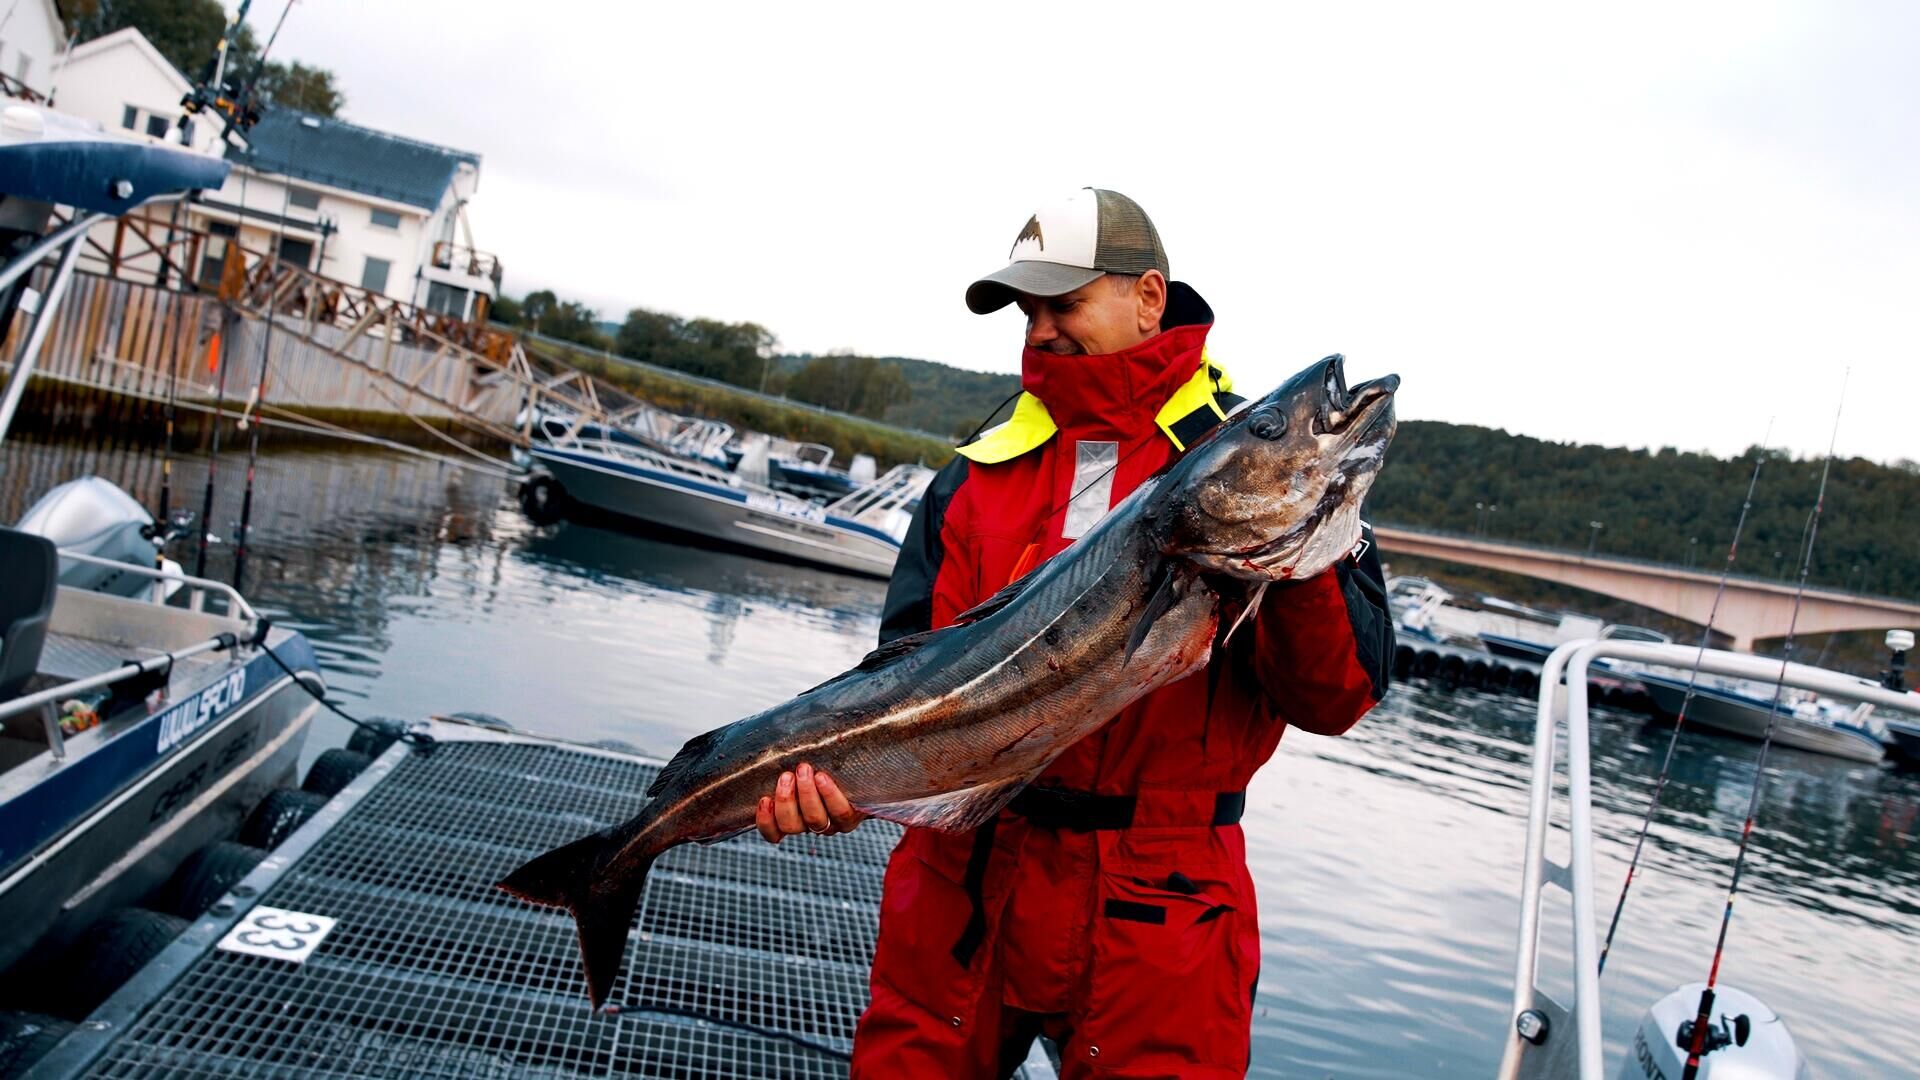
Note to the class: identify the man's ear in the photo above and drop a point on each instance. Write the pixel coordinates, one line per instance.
(1150, 301)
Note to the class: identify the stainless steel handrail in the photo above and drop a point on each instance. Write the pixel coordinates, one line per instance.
(1575, 658)
(238, 603)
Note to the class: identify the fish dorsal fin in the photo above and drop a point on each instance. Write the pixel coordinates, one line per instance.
(911, 643)
(689, 755)
(998, 600)
(951, 811)
(882, 656)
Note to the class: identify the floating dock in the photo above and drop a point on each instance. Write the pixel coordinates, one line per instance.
(746, 960)
(1455, 666)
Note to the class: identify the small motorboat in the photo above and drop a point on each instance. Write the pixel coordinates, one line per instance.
(633, 478)
(1745, 707)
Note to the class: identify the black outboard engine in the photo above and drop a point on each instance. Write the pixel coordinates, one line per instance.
(93, 517)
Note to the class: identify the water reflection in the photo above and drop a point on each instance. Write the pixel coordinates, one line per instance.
(1387, 860)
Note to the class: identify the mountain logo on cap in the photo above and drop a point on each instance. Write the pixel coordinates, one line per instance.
(1030, 232)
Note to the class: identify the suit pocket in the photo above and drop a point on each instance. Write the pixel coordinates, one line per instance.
(1169, 990)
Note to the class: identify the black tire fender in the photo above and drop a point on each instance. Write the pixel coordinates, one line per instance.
(277, 816)
(206, 876)
(109, 953)
(333, 771)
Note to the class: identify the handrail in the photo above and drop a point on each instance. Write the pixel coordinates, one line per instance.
(234, 599)
(106, 678)
(1575, 658)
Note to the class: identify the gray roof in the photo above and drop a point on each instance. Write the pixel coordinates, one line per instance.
(343, 155)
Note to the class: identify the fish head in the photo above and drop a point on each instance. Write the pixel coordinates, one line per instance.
(1274, 494)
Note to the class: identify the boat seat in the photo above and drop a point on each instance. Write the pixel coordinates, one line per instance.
(26, 602)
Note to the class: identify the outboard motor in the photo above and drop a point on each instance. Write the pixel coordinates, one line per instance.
(1745, 1039)
(93, 517)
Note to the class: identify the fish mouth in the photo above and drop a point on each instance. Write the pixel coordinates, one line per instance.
(1344, 408)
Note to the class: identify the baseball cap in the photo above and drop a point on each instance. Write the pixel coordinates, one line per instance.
(1068, 243)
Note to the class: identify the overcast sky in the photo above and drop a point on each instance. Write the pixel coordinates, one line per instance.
(1646, 225)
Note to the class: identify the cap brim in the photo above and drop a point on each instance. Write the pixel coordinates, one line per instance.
(997, 290)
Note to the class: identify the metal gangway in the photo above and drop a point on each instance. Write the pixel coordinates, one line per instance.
(1547, 1039)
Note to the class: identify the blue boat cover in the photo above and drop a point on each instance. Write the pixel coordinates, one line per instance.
(59, 161)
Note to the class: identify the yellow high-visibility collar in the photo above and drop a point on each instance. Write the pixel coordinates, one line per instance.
(1031, 424)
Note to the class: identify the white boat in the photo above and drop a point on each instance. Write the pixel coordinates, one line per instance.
(620, 475)
(1744, 707)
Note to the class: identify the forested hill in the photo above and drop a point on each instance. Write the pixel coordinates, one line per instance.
(941, 399)
(1665, 505)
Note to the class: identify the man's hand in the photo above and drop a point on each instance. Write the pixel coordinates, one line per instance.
(805, 801)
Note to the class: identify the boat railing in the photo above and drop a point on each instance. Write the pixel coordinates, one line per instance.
(1547, 1039)
(199, 587)
(894, 490)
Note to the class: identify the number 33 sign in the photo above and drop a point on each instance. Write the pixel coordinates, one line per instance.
(277, 933)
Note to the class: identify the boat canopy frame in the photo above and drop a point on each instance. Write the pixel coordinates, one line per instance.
(1545, 1038)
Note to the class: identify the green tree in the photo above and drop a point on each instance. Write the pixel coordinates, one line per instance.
(860, 385)
(187, 33)
(294, 85)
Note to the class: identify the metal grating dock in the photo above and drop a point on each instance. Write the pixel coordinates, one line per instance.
(429, 972)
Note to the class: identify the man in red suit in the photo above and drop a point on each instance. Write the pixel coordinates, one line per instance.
(1109, 906)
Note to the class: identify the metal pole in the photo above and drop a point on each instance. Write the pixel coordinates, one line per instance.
(42, 320)
(30, 258)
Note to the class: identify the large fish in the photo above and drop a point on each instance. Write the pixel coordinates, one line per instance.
(941, 729)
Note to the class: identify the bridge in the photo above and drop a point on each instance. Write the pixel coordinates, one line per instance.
(1752, 609)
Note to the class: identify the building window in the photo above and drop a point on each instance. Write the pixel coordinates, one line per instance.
(157, 126)
(296, 252)
(374, 277)
(130, 118)
(221, 228)
(186, 132)
(304, 199)
(444, 299)
(386, 219)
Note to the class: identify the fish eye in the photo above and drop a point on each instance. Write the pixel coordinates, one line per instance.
(1268, 423)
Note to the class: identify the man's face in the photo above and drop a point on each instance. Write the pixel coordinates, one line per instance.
(1105, 315)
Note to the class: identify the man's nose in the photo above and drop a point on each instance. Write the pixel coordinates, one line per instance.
(1040, 327)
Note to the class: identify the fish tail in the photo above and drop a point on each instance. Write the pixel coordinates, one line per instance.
(602, 904)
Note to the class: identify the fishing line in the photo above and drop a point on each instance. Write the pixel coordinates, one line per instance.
(1697, 1044)
(1679, 721)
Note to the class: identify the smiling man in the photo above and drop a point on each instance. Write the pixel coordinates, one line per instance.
(1109, 906)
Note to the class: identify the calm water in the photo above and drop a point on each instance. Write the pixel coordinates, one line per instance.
(1387, 860)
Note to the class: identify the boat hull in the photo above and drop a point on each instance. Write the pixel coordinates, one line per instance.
(712, 512)
(1747, 719)
(117, 821)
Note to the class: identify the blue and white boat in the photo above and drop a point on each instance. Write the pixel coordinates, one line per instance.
(622, 476)
(141, 712)
(1744, 707)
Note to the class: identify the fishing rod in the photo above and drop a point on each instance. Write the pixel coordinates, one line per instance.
(1693, 677)
(1696, 1047)
(259, 396)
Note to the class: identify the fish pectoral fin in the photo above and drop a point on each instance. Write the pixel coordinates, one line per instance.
(1163, 599)
(951, 811)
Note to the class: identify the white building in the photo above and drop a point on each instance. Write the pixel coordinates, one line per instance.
(347, 202)
(120, 81)
(31, 38)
